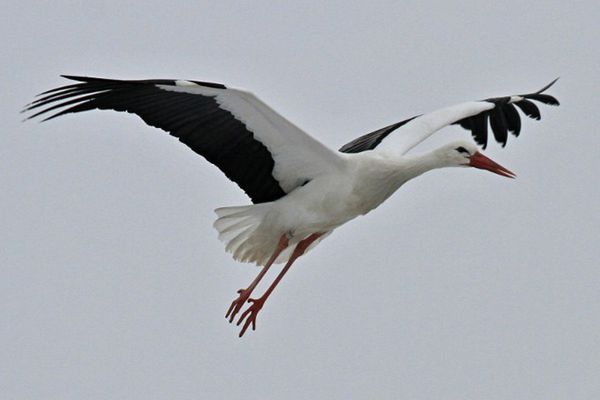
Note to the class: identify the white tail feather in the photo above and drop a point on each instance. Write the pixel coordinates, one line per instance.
(236, 227)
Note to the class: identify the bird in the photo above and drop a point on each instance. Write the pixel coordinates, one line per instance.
(300, 189)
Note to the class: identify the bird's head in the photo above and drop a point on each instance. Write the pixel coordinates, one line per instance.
(465, 154)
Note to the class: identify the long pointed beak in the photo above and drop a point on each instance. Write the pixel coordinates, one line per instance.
(480, 161)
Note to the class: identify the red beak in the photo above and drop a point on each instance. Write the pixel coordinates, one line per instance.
(480, 161)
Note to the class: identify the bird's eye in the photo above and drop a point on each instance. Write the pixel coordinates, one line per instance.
(461, 149)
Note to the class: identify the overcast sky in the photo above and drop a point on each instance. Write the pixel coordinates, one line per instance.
(464, 285)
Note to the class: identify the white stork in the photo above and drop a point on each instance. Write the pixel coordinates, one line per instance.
(301, 190)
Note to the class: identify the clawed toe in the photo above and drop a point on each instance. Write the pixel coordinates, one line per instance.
(250, 315)
(237, 304)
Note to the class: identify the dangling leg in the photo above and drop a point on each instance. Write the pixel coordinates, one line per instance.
(244, 294)
(257, 304)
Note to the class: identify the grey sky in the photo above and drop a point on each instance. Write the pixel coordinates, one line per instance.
(464, 285)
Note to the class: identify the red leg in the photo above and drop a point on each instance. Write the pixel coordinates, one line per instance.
(257, 304)
(244, 294)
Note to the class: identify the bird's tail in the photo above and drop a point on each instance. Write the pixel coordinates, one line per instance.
(237, 227)
(240, 229)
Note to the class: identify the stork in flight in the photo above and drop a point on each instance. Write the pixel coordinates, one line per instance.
(301, 190)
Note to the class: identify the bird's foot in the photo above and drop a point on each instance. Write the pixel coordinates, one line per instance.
(250, 314)
(237, 304)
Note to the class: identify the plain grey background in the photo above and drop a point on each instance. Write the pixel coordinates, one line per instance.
(464, 285)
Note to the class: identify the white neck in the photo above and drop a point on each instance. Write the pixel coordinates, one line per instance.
(410, 167)
(379, 175)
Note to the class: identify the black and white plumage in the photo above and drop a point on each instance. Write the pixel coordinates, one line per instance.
(500, 112)
(228, 127)
(301, 189)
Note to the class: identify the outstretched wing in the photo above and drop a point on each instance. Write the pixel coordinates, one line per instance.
(501, 112)
(265, 154)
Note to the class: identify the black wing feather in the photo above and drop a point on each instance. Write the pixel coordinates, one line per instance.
(499, 126)
(371, 140)
(479, 128)
(543, 98)
(529, 108)
(196, 120)
(513, 121)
